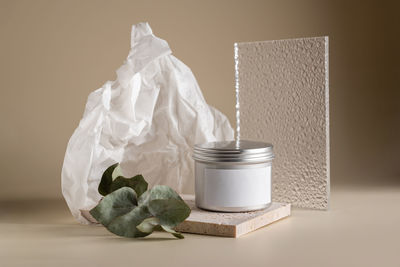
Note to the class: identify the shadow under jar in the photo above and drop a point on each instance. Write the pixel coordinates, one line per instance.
(233, 177)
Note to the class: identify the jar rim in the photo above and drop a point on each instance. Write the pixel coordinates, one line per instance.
(229, 151)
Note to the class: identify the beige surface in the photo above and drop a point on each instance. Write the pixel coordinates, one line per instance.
(361, 229)
(227, 224)
(284, 99)
(53, 53)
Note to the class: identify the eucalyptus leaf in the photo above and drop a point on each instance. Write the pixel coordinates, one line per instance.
(106, 180)
(148, 225)
(158, 192)
(129, 210)
(115, 204)
(137, 183)
(170, 212)
(126, 225)
(173, 232)
(113, 179)
(117, 172)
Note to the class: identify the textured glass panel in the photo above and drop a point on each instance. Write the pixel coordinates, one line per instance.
(284, 100)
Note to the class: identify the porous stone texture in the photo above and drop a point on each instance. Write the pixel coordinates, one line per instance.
(230, 224)
(284, 100)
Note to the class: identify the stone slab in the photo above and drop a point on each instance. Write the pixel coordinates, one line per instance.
(230, 224)
(284, 100)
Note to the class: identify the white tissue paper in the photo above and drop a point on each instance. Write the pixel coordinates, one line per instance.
(148, 119)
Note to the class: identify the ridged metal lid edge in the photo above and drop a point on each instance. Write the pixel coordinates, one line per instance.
(227, 151)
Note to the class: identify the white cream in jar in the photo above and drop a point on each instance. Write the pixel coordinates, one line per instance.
(233, 176)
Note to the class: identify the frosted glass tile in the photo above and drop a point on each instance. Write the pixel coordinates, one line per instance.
(284, 99)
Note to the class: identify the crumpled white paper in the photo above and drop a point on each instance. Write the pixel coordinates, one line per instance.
(148, 119)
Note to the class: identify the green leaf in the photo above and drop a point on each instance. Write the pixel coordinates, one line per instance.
(115, 204)
(173, 232)
(129, 210)
(126, 225)
(158, 192)
(170, 212)
(148, 225)
(106, 180)
(117, 172)
(113, 180)
(137, 183)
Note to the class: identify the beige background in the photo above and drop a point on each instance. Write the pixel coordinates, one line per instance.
(54, 53)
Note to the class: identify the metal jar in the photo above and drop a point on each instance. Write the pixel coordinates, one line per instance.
(233, 177)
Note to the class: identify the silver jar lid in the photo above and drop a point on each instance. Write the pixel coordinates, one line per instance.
(229, 151)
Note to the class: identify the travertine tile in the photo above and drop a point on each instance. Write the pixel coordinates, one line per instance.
(230, 224)
(284, 100)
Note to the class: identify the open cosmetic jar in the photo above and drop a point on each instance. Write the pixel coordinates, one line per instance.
(233, 176)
